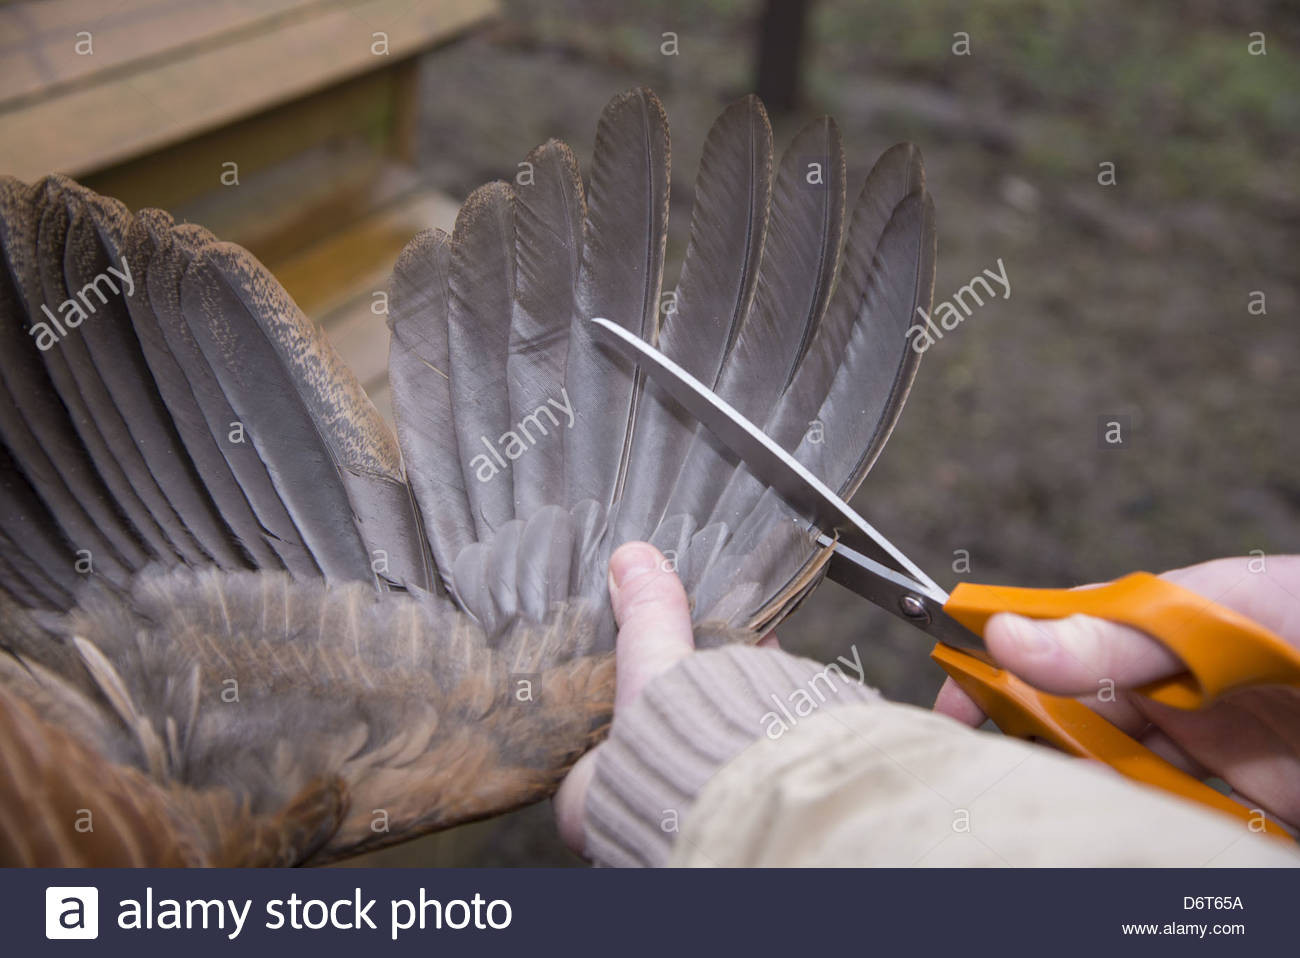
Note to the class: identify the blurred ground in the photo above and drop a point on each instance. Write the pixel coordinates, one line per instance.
(1127, 300)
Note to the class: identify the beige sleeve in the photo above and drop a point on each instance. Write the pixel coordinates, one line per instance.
(886, 784)
(743, 756)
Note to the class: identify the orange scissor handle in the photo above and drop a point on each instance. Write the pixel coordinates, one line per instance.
(1021, 710)
(1222, 649)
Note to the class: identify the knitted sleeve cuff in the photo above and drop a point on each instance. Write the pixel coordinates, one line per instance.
(686, 725)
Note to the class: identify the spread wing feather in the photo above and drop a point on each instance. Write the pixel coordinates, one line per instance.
(334, 464)
(714, 295)
(35, 426)
(482, 287)
(99, 426)
(419, 368)
(243, 497)
(853, 378)
(95, 244)
(251, 518)
(622, 266)
(549, 211)
(794, 286)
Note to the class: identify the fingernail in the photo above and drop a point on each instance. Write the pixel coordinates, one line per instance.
(1029, 635)
(628, 562)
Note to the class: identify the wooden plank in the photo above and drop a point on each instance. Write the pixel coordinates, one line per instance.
(406, 110)
(361, 338)
(39, 38)
(317, 192)
(36, 17)
(381, 394)
(329, 273)
(290, 157)
(87, 129)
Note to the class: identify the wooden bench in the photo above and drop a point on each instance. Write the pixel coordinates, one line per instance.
(284, 125)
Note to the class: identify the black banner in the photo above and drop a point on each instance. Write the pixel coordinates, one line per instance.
(498, 912)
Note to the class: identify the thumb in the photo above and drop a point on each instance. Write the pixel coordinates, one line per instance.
(1074, 655)
(654, 618)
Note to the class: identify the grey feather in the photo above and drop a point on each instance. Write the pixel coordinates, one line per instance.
(503, 570)
(472, 583)
(545, 562)
(590, 521)
(179, 366)
(673, 539)
(47, 563)
(622, 267)
(96, 238)
(332, 461)
(419, 369)
(482, 286)
(22, 584)
(877, 364)
(862, 349)
(719, 274)
(549, 212)
(201, 449)
(98, 423)
(886, 272)
(35, 425)
(800, 260)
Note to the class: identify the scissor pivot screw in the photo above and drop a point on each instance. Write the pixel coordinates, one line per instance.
(914, 608)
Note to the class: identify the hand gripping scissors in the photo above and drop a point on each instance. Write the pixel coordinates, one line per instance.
(1222, 650)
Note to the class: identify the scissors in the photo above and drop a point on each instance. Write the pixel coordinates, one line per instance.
(1223, 651)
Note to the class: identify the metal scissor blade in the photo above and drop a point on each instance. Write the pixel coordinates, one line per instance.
(897, 594)
(769, 462)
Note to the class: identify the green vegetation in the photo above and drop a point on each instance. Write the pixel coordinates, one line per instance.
(1178, 87)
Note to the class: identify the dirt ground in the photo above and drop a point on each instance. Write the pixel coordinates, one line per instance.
(1167, 301)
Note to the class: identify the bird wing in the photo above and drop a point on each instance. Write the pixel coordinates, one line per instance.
(768, 309)
(234, 604)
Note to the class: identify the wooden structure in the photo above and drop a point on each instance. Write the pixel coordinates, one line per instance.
(284, 125)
